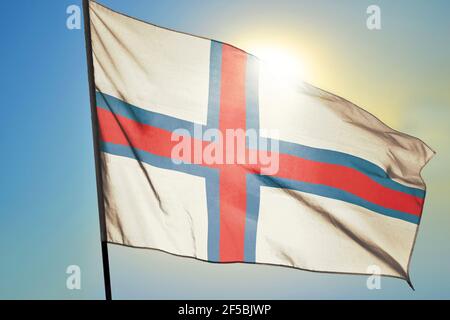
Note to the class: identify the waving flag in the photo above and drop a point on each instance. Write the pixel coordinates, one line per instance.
(316, 182)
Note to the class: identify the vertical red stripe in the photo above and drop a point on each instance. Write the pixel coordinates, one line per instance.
(232, 214)
(232, 177)
(232, 96)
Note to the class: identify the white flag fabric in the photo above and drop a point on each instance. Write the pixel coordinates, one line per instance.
(346, 193)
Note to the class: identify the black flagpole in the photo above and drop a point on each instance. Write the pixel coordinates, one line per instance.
(98, 162)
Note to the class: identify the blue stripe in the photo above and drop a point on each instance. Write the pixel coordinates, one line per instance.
(215, 77)
(251, 218)
(212, 184)
(339, 158)
(251, 94)
(253, 185)
(157, 161)
(334, 157)
(334, 193)
(137, 114)
(213, 204)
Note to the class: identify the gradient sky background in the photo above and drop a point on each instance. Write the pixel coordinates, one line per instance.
(48, 206)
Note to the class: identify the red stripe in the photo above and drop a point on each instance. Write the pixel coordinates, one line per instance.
(343, 178)
(120, 130)
(350, 180)
(232, 178)
(233, 191)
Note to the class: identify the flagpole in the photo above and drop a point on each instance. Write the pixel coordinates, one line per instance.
(98, 162)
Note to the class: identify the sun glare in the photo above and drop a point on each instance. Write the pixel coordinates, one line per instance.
(279, 62)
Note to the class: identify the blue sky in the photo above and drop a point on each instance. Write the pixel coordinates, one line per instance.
(48, 206)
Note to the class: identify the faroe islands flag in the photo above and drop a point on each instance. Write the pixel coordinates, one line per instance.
(206, 154)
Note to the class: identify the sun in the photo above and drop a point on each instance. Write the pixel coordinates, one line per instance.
(280, 62)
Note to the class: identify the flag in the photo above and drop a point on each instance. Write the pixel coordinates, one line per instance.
(205, 153)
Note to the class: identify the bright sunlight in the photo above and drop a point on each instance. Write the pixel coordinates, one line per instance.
(280, 62)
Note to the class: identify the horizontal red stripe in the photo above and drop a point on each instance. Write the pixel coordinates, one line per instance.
(347, 179)
(121, 130)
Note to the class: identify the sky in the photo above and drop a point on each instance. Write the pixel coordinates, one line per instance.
(48, 204)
